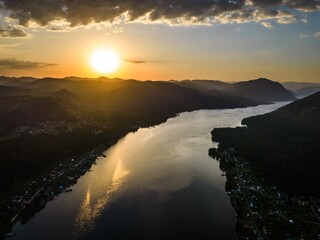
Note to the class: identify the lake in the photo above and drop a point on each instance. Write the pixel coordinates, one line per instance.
(155, 183)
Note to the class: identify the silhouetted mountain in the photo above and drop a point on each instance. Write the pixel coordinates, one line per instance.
(49, 88)
(307, 91)
(64, 94)
(39, 83)
(302, 89)
(234, 98)
(239, 94)
(282, 146)
(14, 81)
(261, 90)
(296, 86)
(115, 93)
(13, 91)
(4, 80)
(161, 96)
(208, 84)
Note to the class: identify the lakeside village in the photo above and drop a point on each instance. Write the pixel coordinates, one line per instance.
(264, 212)
(37, 193)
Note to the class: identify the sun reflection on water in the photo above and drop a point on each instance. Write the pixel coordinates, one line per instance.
(91, 208)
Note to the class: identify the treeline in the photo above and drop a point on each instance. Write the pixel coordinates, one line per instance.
(283, 147)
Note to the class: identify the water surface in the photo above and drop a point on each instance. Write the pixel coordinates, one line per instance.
(156, 183)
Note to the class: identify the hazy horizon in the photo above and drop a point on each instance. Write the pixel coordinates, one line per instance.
(155, 80)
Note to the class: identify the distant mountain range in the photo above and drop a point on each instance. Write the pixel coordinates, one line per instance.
(302, 89)
(117, 95)
(260, 90)
(250, 92)
(282, 146)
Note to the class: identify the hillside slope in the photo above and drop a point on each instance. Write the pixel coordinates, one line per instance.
(29, 111)
(160, 96)
(261, 90)
(282, 146)
(13, 91)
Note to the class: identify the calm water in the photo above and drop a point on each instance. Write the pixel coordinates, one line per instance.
(156, 183)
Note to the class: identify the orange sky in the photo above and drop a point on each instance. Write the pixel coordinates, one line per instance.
(279, 48)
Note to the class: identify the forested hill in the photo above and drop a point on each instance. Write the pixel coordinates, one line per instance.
(302, 115)
(282, 146)
(262, 89)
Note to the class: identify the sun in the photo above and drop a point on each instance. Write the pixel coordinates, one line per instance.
(105, 60)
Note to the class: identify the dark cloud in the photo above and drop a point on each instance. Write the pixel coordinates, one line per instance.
(84, 12)
(304, 5)
(13, 63)
(11, 32)
(264, 3)
(134, 61)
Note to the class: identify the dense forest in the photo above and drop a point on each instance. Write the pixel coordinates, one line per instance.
(283, 147)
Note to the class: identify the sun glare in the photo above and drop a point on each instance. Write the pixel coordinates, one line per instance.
(104, 61)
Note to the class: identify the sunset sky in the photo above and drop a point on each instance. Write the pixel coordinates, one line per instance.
(229, 40)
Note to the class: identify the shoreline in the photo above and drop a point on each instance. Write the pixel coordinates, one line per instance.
(21, 207)
(35, 193)
(264, 212)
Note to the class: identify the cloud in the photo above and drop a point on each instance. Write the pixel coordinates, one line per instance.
(134, 61)
(13, 63)
(172, 12)
(267, 24)
(303, 5)
(303, 35)
(11, 32)
(264, 3)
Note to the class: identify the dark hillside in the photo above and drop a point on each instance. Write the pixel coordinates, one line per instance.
(13, 91)
(261, 90)
(159, 96)
(282, 146)
(29, 111)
